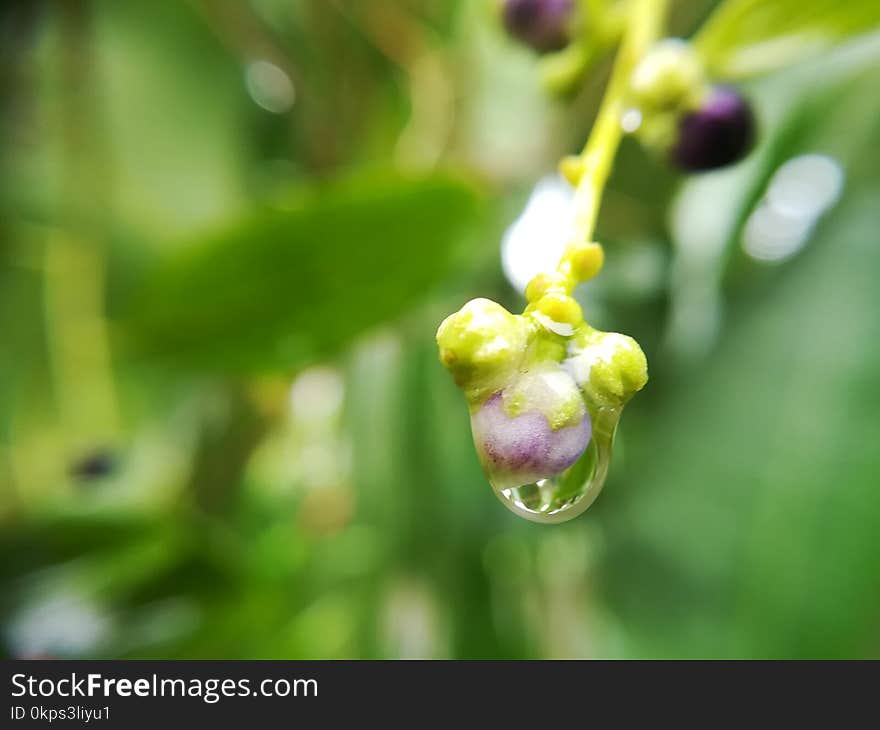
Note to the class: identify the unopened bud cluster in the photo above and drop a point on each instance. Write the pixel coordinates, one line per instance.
(681, 115)
(535, 381)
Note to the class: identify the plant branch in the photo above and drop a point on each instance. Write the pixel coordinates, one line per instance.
(589, 170)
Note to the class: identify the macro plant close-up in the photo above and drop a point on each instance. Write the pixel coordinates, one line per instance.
(294, 292)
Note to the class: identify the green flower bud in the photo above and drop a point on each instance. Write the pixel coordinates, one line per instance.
(669, 78)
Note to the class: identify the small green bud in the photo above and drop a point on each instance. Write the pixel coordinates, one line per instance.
(561, 308)
(544, 283)
(609, 367)
(480, 343)
(584, 260)
(669, 78)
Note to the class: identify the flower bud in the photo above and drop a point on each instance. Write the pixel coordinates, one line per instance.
(524, 448)
(585, 260)
(560, 308)
(541, 24)
(543, 283)
(720, 132)
(669, 78)
(545, 391)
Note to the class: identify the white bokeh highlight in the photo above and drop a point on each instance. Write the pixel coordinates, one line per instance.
(536, 240)
(269, 86)
(799, 193)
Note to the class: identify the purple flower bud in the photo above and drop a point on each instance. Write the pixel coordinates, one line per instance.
(542, 24)
(524, 449)
(720, 132)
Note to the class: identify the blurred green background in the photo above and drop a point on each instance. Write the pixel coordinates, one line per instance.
(229, 231)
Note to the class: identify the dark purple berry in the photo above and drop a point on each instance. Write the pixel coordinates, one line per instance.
(542, 24)
(720, 132)
(94, 466)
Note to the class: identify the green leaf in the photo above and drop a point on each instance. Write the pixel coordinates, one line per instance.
(173, 105)
(748, 527)
(753, 510)
(290, 284)
(747, 37)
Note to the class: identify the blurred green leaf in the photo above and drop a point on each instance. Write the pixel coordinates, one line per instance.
(824, 105)
(747, 37)
(286, 285)
(748, 528)
(172, 105)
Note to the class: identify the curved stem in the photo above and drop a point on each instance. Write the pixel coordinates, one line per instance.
(591, 168)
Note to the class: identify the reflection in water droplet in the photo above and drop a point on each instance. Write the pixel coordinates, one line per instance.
(562, 496)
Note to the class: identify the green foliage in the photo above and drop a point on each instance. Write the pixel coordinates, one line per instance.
(748, 37)
(764, 469)
(262, 510)
(293, 283)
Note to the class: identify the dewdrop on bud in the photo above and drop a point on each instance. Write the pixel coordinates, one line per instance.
(545, 392)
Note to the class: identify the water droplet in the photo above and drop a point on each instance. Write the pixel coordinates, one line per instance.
(518, 458)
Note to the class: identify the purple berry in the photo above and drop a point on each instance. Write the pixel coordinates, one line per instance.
(524, 447)
(94, 466)
(720, 132)
(542, 24)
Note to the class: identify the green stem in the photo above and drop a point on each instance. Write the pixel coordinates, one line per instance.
(75, 265)
(591, 168)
